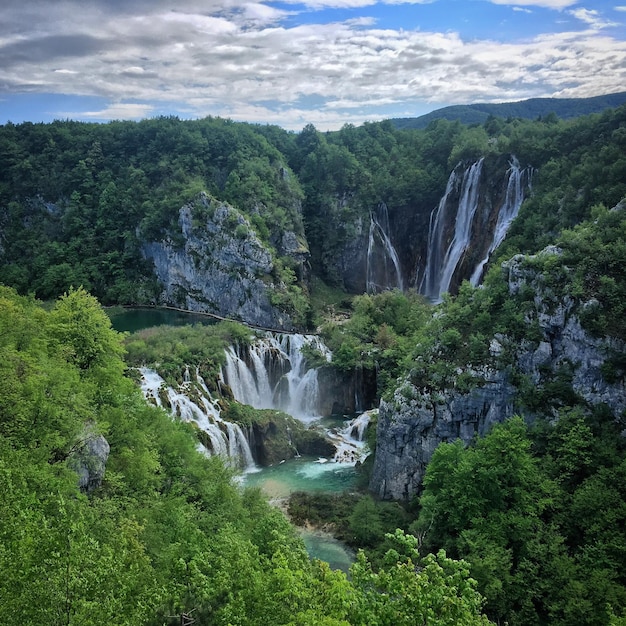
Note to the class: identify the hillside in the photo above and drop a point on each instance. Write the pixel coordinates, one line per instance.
(533, 108)
(468, 281)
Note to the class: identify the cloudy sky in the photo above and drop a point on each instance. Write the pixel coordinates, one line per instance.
(325, 62)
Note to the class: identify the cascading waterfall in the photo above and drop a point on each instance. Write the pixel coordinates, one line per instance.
(440, 267)
(383, 264)
(272, 373)
(226, 438)
(350, 440)
(518, 182)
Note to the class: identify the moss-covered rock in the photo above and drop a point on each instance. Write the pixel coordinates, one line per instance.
(275, 436)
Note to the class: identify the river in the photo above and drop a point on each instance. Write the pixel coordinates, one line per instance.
(280, 480)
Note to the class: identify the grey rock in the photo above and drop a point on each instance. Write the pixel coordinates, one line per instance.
(222, 267)
(89, 460)
(414, 423)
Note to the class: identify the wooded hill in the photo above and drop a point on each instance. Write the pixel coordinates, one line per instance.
(537, 509)
(531, 109)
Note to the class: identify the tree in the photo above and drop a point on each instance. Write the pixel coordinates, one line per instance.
(409, 590)
(82, 332)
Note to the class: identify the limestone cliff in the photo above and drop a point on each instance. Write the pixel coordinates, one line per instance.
(221, 266)
(417, 419)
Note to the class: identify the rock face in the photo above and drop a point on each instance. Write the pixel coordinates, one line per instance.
(431, 247)
(412, 425)
(346, 392)
(281, 437)
(89, 461)
(221, 266)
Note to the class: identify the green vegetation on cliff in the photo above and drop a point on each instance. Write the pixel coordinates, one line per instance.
(78, 201)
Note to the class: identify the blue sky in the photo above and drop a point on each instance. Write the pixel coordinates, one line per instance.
(325, 62)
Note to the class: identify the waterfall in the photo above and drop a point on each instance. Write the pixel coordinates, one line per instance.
(517, 183)
(349, 440)
(272, 373)
(430, 285)
(226, 438)
(440, 265)
(383, 264)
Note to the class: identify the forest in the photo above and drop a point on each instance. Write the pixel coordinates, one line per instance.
(525, 525)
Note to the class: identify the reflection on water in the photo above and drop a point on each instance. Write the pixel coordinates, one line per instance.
(135, 319)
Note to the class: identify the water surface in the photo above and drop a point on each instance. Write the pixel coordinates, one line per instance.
(325, 547)
(302, 474)
(137, 318)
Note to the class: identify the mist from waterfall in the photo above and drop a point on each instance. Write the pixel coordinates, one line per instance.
(518, 182)
(272, 373)
(383, 265)
(440, 266)
(226, 438)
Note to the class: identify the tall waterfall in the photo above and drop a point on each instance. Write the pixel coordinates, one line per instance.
(440, 266)
(518, 181)
(383, 264)
(226, 439)
(272, 373)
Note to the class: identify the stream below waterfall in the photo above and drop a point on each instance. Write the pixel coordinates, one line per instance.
(272, 374)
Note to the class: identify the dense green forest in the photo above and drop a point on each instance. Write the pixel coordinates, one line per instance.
(165, 531)
(527, 524)
(77, 200)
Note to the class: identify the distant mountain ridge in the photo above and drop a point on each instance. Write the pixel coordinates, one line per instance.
(564, 108)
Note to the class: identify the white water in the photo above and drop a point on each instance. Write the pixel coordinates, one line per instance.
(518, 181)
(350, 440)
(440, 275)
(383, 264)
(272, 373)
(227, 439)
(434, 261)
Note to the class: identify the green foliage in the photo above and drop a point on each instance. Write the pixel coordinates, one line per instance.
(171, 350)
(167, 530)
(541, 546)
(379, 334)
(78, 199)
(413, 590)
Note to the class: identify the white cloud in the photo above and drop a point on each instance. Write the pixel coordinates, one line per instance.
(353, 4)
(619, 8)
(520, 10)
(120, 111)
(546, 4)
(242, 62)
(592, 18)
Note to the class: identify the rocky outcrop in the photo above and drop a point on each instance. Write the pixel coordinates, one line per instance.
(89, 460)
(346, 392)
(416, 420)
(221, 266)
(276, 436)
(564, 343)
